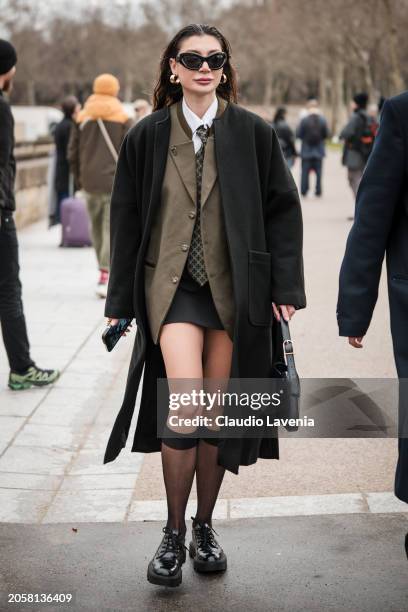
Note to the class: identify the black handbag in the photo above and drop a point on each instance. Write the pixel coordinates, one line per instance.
(283, 367)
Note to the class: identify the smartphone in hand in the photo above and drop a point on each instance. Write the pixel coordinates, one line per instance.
(113, 333)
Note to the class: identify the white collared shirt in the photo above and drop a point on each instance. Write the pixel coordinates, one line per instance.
(194, 121)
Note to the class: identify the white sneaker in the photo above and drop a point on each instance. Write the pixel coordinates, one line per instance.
(102, 286)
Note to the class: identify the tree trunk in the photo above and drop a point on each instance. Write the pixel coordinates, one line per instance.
(268, 90)
(368, 79)
(323, 84)
(128, 89)
(338, 92)
(392, 39)
(31, 97)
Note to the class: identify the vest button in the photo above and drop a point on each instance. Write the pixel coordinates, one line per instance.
(173, 149)
(192, 214)
(184, 247)
(174, 279)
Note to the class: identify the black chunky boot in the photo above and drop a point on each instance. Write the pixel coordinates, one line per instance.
(165, 567)
(204, 549)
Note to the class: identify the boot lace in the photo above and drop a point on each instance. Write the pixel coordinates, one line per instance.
(205, 535)
(171, 543)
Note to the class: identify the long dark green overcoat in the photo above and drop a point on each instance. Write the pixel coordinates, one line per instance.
(263, 222)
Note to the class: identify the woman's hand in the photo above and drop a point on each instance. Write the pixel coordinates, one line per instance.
(115, 322)
(287, 311)
(112, 321)
(356, 342)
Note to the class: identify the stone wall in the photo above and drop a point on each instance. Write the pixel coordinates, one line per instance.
(32, 190)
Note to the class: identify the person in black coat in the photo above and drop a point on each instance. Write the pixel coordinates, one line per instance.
(70, 106)
(264, 233)
(381, 228)
(286, 136)
(24, 373)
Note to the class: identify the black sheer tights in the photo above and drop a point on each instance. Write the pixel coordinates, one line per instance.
(179, 467)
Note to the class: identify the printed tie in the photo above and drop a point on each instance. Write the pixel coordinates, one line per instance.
(195, 258)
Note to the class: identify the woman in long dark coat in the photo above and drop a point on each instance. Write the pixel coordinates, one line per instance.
(286, 136)
(204, 314)
(70, 106)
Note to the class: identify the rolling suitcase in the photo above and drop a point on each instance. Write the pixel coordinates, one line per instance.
(75, 223)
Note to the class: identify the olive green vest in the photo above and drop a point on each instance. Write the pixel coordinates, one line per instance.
(173, 226)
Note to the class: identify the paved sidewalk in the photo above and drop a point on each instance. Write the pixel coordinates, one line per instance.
(341, 563)
(52, 440)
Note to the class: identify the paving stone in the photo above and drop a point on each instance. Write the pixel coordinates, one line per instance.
(98, 481)
(90, 461)
(20, 403)
(22, 506)
(297, 505)
(95, 505)
(34, 460)
(385, 502)
(8, 428)
(42, 435)
(15, 480)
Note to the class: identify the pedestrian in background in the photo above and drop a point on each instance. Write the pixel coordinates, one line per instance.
(23, 371)
(92, 152)
(381, 228)
(142, 108)
(373, 112)
(312, 131)
(70, 107)
(358, 136)
(285, 135)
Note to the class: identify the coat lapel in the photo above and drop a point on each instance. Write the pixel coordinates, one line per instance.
(210, 171)
(182, 154)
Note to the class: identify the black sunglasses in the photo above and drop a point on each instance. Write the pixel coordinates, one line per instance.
(194, 61)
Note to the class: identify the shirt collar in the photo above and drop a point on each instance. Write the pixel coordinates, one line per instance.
(194, 121)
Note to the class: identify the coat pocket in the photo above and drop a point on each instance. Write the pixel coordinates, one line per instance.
(259, 288)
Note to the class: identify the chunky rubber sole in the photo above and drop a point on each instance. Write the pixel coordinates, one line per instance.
(20, 386)
(28, 384)
(170, 581)
(207, 566)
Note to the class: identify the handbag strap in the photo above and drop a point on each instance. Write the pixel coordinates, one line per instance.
(107, 139)
(288, 350)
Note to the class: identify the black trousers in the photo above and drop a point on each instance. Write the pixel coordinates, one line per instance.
(12, 318)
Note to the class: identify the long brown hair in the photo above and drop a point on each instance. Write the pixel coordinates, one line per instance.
(166, 93)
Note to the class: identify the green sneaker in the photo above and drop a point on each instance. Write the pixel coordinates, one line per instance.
(34, 377)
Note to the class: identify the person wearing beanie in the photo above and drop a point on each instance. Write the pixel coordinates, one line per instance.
(92, 153)
(358, 136)
(24, 373)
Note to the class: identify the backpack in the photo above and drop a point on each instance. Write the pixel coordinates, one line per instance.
(363, 140)
(313, 130)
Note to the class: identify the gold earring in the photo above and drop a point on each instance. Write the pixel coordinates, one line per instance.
(224, 78)
(174, 79)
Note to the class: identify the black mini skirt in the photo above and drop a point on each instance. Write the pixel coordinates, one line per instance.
(193, 303)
